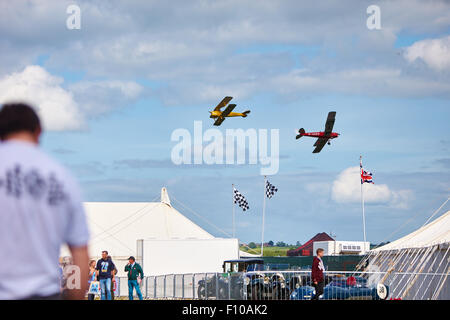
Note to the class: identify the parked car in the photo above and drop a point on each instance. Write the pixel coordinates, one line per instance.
(344, 288)
(277, 285)
(263, 286)
(230, 283)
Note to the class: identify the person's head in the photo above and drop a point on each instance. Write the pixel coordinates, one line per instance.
(19, 121)
(319, 252)
(92, 264)
(131, 260)
(104, 255)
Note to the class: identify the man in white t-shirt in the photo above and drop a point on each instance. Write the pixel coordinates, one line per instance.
(40, 210)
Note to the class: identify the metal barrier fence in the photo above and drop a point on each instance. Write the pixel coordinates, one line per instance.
(288, 285)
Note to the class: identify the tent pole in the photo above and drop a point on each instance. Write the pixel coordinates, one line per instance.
(263, 217)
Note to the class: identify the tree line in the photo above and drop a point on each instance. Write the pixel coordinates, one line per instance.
(271, 243)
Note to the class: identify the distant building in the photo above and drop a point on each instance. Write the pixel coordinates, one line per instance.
(308, 248)
(337, 248)
(330, 246)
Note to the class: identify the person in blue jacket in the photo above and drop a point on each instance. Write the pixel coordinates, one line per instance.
(105, 268)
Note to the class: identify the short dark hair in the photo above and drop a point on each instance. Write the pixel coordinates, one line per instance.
(105, 252)
(319, 250)
(16, 117)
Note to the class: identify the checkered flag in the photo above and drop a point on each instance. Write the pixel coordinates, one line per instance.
(240, 200)
(270, 190)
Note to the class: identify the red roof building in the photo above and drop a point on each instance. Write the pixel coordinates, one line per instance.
(307, 248)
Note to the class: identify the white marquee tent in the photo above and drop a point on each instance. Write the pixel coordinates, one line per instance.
(117, 227)
(416, 266)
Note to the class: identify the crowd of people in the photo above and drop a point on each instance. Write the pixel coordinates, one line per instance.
(103, 274)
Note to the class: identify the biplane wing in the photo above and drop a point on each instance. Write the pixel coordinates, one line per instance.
(320, 143)
(330, 123)
(223, 103)
(225, 113)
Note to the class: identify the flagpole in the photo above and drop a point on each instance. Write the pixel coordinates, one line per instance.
(263, 216)
(362, 198)
(234, 209)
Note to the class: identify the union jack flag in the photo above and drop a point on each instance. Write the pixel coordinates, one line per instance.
(366, 176)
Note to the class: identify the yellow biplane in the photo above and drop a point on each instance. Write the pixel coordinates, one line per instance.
(221, 115)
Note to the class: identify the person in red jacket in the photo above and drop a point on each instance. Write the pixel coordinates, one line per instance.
(317, 274)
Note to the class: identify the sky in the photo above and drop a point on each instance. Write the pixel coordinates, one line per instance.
(112, 92)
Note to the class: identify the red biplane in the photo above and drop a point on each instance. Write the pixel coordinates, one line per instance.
(324, 136)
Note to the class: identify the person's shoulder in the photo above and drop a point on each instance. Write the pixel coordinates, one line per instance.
(23, 153)
(61, 174)
(58, 169)
(32, 157)
(38, 158)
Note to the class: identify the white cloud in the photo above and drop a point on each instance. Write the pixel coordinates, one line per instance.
(368, 81)
(347, 189)
(55, 105)
(198, 50)
(434, 52)
(66, 109)
(100, 97)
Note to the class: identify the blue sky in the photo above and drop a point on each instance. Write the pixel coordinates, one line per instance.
(112, 93)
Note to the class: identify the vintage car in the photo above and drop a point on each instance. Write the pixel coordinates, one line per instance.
(344, 288)
(264, 286)
(277, 285)
(230, 283)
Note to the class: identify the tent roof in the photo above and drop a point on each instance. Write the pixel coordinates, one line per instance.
(115, 226)
(435, 232)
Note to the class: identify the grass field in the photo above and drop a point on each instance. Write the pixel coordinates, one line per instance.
(269, 251)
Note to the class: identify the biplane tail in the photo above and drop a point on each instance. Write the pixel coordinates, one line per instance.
(301, 133)
(245, 113)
